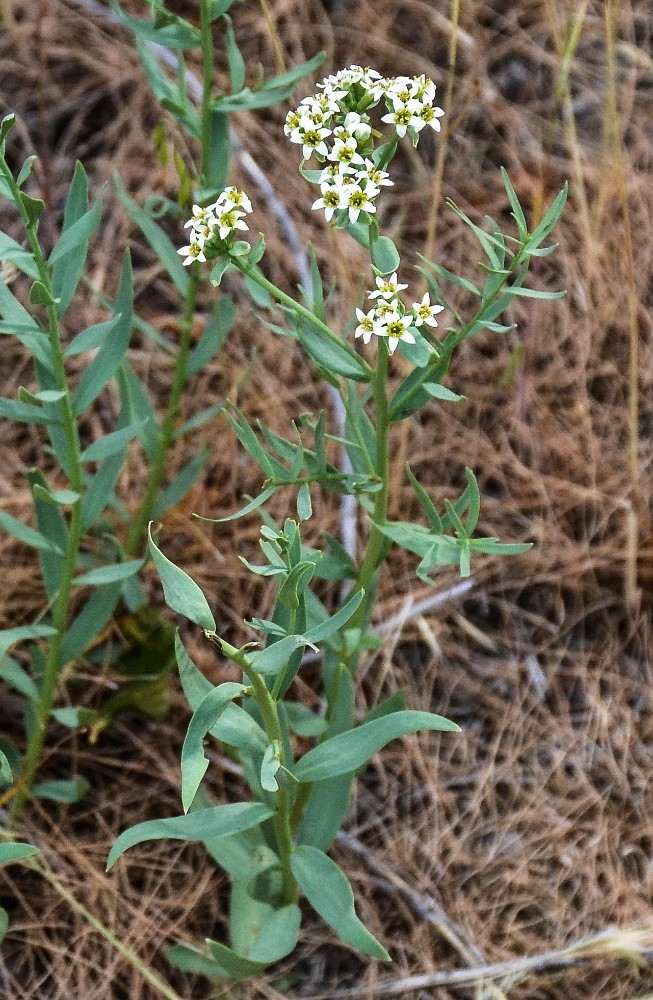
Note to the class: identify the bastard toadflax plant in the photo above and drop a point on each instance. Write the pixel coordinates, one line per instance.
(274, 846)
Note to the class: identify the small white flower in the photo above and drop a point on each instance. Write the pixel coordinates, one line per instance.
(358, 201)
(429, 116)
(344, 151)
(228, 221)
(423, 88)
(395, 328)
(424, 312)
(387, 288)
(380, 178)
(293, 118)
(231, 197)
(404, 116)
(365, 328)
(192, 252)
(333, 198)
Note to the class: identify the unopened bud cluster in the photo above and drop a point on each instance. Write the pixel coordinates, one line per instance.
(334, 126)
(216, 222)
(390, 318)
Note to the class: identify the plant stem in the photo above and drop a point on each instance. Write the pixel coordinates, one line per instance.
(43, 706)
(167, 433)
(376, 542)
(207, 87)
(268, 708)
(255, 274)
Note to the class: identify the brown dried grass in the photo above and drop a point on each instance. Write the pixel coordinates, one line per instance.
(533, 828)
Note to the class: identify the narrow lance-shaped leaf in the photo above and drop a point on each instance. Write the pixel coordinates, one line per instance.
(328, 891)
(106, 361)
(181, 593)
(193, 762)
(349, 751)
(219, 821)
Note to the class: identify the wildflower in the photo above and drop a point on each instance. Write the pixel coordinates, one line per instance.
(220, 220)
(380, 178)
(231, 197)
(404, 116)
(195, 251)
(366, 321)
(424, 312)
(387, 288)
(333, 198)
(228, 221)
(358, 200)
(394, 326)
(344, 152)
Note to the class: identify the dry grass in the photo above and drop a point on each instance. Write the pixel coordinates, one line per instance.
(533, 828)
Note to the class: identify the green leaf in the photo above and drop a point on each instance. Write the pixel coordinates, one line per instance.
(13, 851)
(219, 159)
(217, 329)
(234, 58)
(66, 792)
(328, 891)
(100, 488)
(437, 391)
(247, 509)
(193, 762)
(517, 211)
(34, 207)
(137, 408)
(24, 412)
(181, 484)
(329, 354)
(385, 256)
(534, 293)
(302, 721)
(235, 966)
(275, 656)
(111, 444)
(64, 498)
(91, 338)
(90, 621)
(190, 959)
(304, 505)
(10, 636)
(13, 252)
(172, 32)
(18, 679)
(348, 751)
(26, 534)
(77, 234)
(269, 768)
(52, 525)
(328, 628)
(6, 126)
(106, 361)
(181, 593)
(6, 773)
(108, 574)
(158, 240)
(198, 420)
(218, 821)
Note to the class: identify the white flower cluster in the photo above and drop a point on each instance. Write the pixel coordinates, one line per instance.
(389, 317)
(334, 126)
(219, 220)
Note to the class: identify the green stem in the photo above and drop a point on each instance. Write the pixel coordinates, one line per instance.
(167, 432)
(43, 706)
(255, 274)
(376, 543)
(207, 88)
(281, 820)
